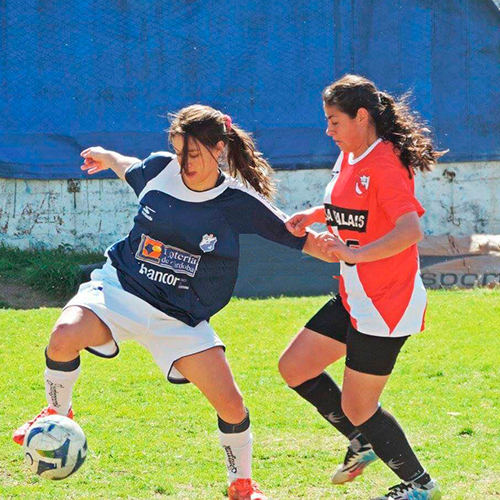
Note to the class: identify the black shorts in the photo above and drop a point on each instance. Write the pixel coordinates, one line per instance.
(365, 353)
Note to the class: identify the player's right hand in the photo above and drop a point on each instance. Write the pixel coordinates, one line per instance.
(97, 159)
(298, 222)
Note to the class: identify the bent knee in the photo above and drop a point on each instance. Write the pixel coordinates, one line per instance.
(232, 410)
(358, 412)
(65, 338)
(285, 367)
(295, 372)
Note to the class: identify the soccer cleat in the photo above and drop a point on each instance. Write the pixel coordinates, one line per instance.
(19, 434)
(245, 489)
(413, 491)
(357, 458)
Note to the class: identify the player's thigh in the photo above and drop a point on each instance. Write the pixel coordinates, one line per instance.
(307, 355)
(78, 328)
(210, 372)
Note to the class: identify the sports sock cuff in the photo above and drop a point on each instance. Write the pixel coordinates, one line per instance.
(306, 387)
(227, 428)
(373, 420)
(62, 366)
(325, 395)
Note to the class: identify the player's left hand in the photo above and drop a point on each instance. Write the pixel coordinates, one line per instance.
(334, 247)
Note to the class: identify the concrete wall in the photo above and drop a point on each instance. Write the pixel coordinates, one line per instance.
(460, 199)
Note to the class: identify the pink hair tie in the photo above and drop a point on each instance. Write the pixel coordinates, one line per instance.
(228, 122)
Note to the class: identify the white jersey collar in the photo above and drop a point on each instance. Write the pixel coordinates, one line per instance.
(353, 161)
(169, 181)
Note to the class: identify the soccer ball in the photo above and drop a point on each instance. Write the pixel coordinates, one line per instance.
(55, 447)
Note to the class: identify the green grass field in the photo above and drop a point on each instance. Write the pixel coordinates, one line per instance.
(150, 439)
(54, 272)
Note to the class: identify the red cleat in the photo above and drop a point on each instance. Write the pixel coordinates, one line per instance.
(19, 434)
(245, 489)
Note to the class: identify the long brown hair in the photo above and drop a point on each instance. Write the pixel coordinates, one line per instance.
(393, 119)
(209, 126)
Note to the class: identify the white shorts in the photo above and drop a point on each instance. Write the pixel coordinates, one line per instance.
(131, 318)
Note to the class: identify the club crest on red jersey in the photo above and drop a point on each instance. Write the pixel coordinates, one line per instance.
(362, 183)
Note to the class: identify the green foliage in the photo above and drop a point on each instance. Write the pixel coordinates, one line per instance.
(152, 440)
(55, 272)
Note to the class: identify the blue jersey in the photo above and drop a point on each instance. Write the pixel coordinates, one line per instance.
(182, 254)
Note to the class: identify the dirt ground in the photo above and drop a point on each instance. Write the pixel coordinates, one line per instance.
(19, 296)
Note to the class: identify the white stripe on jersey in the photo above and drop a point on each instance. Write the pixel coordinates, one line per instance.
(411, 321)
(369, 321)
(237, 184)
(329, 188)
(335, 175)
(169, 181)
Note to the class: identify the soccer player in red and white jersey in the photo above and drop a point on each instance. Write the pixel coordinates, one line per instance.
(373, 224)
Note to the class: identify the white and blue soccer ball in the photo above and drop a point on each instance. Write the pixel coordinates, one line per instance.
(55, 447)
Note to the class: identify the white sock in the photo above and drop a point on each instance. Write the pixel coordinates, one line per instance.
(238, 452)
(59, 388)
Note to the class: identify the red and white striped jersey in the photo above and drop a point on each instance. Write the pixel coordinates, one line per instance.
(362, 203)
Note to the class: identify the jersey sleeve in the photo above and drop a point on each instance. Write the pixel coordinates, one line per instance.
(395, 193)
(256, 215)
(139, 174)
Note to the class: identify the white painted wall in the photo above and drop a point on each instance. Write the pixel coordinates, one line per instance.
(460, 199)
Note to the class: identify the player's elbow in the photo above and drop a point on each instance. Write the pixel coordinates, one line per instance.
(419, 234)
(409, 228)
(412, 236)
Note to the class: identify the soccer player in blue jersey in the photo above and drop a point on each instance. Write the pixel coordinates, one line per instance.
(176, 268)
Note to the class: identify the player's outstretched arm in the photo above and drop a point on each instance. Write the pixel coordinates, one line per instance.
(97, 159)
(298, 222)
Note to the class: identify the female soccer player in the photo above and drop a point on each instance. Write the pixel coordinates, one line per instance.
(176, 269)
(373, 217)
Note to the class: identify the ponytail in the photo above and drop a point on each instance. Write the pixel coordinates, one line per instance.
(245, 161)
(396, 123)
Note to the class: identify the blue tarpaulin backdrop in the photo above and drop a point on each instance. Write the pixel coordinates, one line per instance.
(75, 74)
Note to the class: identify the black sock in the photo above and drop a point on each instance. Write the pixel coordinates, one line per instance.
(323, 393)
(390, 444)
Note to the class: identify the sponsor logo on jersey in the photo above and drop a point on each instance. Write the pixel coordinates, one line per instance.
(345, 218)
(159, 276)
(207, 243)
(175, 259)
(362, 183)
(147, 211)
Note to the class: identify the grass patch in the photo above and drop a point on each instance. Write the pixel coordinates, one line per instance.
(55, 272)
(152, 440)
